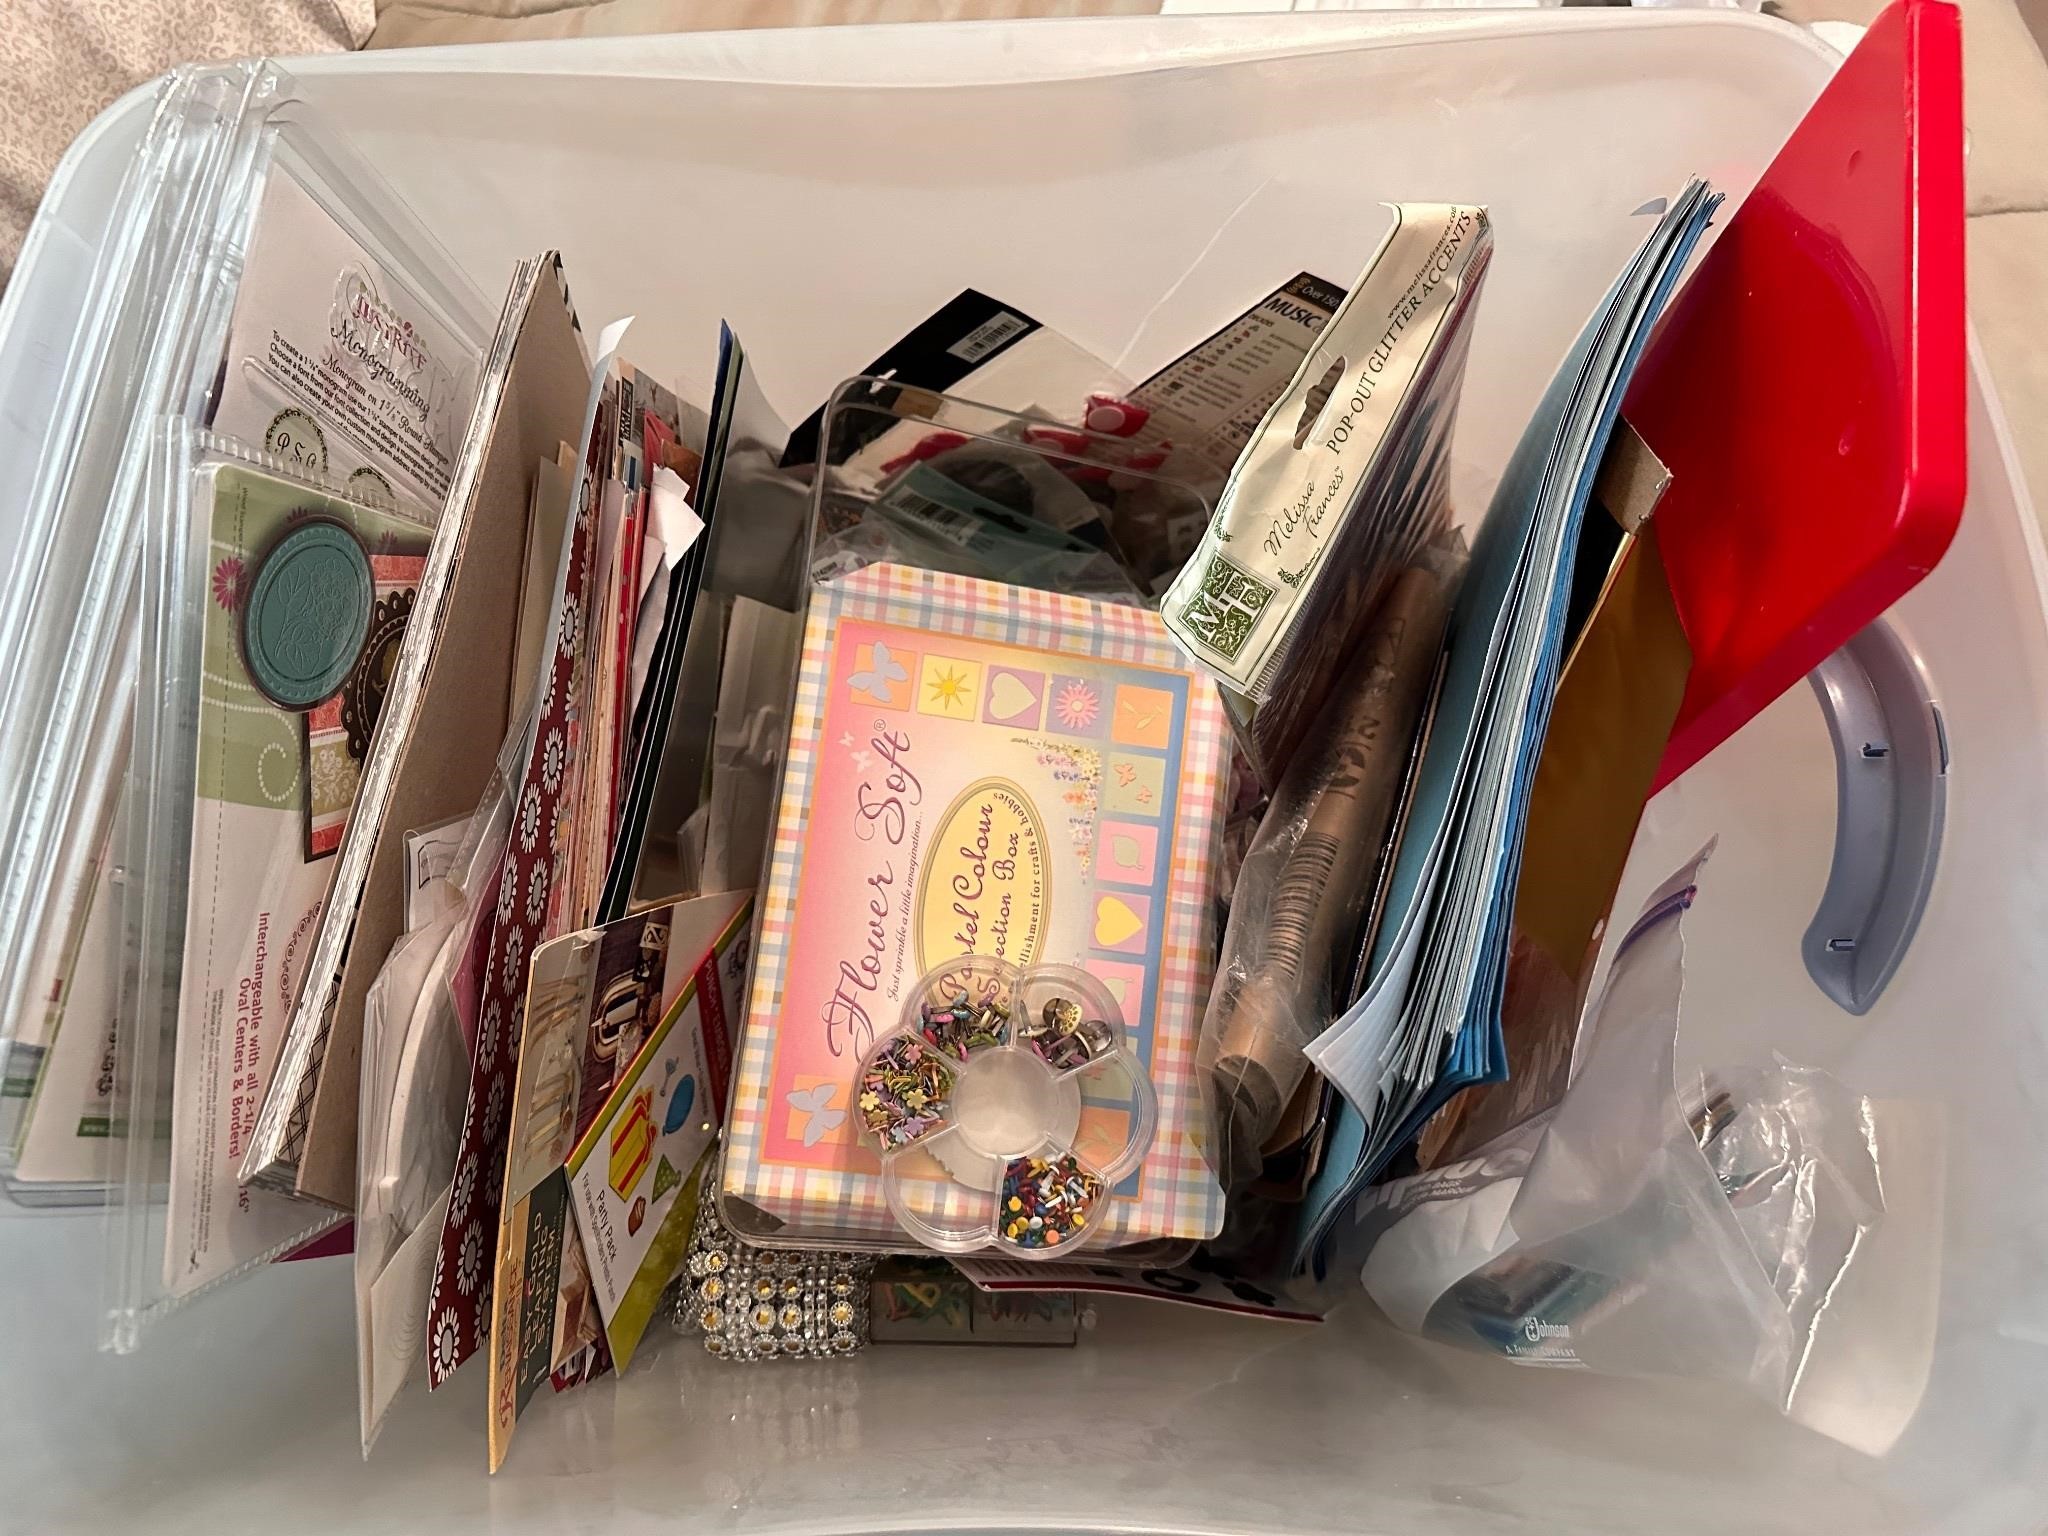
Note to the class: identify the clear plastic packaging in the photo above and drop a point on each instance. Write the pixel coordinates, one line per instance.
(57, 1117)
(946, 484)
(162, 301)
(1764, 1226)
(317, 373)
(147, 346)
(1300, 906)
(976, 1104)
(1068, 739)
(277, 606)
(415, 1079)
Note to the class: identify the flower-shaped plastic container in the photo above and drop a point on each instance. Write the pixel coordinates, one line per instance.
(1006, 1107)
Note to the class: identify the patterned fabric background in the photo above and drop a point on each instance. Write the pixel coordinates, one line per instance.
(63, 61)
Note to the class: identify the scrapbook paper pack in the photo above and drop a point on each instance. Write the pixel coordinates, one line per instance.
(305, 604)
(459, 1315)
(977, 769)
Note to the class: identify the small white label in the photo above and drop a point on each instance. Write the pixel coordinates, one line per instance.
(989, 335)
(956, 527)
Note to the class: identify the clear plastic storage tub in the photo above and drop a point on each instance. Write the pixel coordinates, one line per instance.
(1130, 181)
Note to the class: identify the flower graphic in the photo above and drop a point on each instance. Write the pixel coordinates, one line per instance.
(537, 891)
(554, 756)
(227, 583)
(447, 1336)
(464, 1188)
(571, 623)
(1076, 706)
(494, 1109)
(483, 1314)
(529, 819)
(487, 1041)
(515, 951)
(508, 892)
(469, 1263)
(335, 778)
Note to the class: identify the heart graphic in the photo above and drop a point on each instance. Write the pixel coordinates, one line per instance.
(1115, 922)
(1124, 851)
(1008, 698)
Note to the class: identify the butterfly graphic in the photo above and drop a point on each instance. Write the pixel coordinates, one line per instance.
(1126, 772)
(883, 672)
(817, 1103)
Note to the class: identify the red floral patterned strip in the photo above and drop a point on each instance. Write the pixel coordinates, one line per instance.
(459, 1307)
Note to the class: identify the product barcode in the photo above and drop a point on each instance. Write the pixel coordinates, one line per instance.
(989, 335)
(948, 523)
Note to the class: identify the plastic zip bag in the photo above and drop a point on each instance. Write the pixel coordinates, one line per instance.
(415, 1081)
(1763, 1226)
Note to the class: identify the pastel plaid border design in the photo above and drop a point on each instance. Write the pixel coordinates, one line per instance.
(1179, 1196)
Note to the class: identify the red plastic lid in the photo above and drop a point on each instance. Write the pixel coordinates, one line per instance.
(1807, 390)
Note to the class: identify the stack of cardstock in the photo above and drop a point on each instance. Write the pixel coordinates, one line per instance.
(633, 414)
(984, 769)
(1429, 1022)
(449, 703)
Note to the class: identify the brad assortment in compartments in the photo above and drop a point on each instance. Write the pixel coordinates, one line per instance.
(975, 1104)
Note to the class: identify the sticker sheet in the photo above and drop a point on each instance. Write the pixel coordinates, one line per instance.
(633, 1176)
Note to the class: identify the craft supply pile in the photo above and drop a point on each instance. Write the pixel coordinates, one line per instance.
(623, 865)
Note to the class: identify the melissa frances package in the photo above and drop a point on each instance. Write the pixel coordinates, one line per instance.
(976, 768)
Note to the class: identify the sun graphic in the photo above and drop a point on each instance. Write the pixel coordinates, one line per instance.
(948, 687)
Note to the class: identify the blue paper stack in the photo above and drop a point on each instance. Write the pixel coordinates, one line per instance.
(1429, 1020)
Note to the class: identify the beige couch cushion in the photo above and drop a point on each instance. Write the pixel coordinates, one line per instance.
(2005, 95)
(62, 61)
(2005, 91)
(412, 23)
